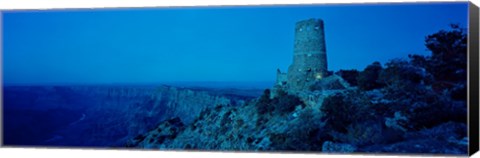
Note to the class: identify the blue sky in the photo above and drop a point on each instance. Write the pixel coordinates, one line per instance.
(151, 45)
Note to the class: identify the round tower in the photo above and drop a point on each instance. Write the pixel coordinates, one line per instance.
(309, 56)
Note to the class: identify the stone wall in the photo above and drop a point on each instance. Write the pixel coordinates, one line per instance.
(310, 58)
(281, 78)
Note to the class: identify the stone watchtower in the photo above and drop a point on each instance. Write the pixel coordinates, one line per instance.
(309, 55)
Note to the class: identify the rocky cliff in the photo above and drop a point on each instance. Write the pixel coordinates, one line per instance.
(333, 119)
(100, 115)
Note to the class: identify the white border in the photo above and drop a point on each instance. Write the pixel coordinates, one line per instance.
(49, 4)
(87, 153)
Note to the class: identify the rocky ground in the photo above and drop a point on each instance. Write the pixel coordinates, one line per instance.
(307, 126)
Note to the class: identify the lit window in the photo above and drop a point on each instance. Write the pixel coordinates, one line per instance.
(316, 27)
(318, 76)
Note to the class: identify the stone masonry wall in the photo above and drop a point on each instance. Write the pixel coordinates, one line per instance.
(310, 58)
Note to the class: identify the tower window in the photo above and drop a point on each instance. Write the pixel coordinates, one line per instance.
(316, 27)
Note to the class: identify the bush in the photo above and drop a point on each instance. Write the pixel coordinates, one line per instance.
(284, 102)
(335, 108)
(261, 121)
(368, 78)
(448, 61)
(349, 75)
(423, 107)
(401, 73)
(341, 110)
(459, 92)
(362, 133)
(304, 135)
(265, 98)
(418, 60)
(409, 92)
(449, 54)
(264, 105)
(424, 87)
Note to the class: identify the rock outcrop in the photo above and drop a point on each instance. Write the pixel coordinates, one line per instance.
(109, 115)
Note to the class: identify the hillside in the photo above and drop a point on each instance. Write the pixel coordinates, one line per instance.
(305, 122)
(98, 116)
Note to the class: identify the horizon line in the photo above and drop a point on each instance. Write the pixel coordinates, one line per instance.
(129, 83)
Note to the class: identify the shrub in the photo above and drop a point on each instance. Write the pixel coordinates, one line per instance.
(370, 132)
(139, 138)
(265, 98)
(284, 102)
(401, 73)
(449, 54)
(433, 111)
(448, 61)
(261, 121)
(412, 90)
(336, 111)
(349, 75)
(264, 104)
(341, 110)
(423, 107)
(368, 78)
(459, 92)
(305, 134)
(279, 141)
(364, 133)
(418, 60)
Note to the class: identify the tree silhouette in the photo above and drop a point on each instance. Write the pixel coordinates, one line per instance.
(448, 61)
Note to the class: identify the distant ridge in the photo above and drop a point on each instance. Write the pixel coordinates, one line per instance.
(186, 84)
